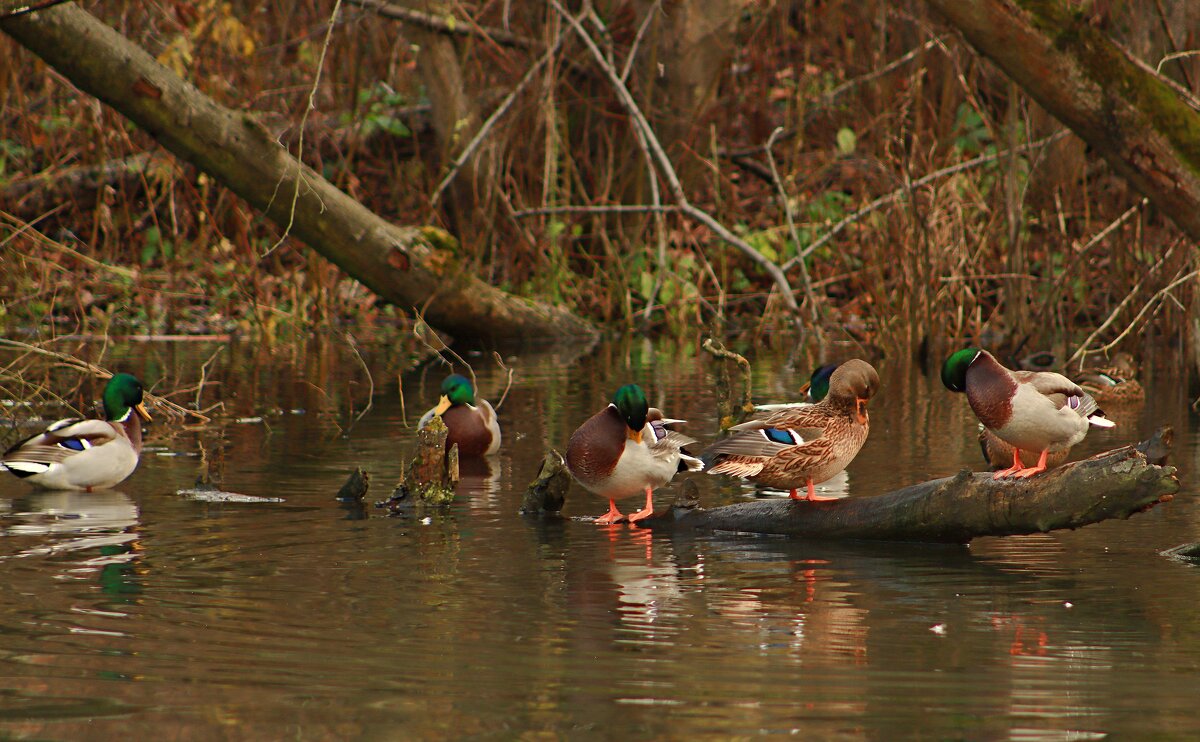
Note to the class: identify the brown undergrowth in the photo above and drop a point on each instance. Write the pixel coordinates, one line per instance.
(929, 198)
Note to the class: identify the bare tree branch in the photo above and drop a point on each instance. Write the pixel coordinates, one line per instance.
(491, 121)
(895, 195)
(667, 170)
(446, 25)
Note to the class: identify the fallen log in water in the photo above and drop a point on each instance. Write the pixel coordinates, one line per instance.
(1114, 484)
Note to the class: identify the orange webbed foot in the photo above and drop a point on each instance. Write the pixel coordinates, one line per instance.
(612, 516)
(641, 515)
(1027, 473)
(812, 495)
(1016, 466)
(646, 511)
(1038, 468)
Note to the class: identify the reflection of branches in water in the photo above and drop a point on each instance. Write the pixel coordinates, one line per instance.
(508, 385)
(11, 372)
(370, 379)
(422, 331)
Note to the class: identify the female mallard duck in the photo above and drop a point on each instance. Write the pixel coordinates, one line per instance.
(802, 445)
(626, 449)
(474, 429)
(1114, 384)
(1030, 410)
(78, 454)
(814, 390)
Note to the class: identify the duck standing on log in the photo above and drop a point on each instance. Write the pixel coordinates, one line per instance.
(802, 445)
(473, 428)
(626, 449)
(78, 454)
(1037, 411)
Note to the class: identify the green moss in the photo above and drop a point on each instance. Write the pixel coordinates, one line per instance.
(1119, 77)
(439, 239)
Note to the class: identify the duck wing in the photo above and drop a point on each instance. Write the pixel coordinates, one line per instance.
(61, 441)
(1065, 393)
(764, 441)
(1055, 386)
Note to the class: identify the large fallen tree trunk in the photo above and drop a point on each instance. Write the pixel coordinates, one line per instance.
(412, 267)
(1146, 126)
(1115, 484)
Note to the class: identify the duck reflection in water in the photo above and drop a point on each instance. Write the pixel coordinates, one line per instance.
(479, 482)
(101, 526)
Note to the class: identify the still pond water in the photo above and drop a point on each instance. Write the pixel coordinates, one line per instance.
(149, 613)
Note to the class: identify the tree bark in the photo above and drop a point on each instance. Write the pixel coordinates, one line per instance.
(408, 266)
(456, 119)
(688, 46)
(1115, 484)
(1144, 125)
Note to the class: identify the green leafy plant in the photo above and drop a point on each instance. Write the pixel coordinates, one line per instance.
(377, 106)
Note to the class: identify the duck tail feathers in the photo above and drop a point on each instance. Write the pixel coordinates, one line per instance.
(689, 463)
(1086, 406)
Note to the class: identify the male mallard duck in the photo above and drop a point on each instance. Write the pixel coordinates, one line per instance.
(999, 455)
(802, 445)
(1114, 384)
(626, 449)
(78, 454)
(474, 429)
(1032, 410)
(814, 390)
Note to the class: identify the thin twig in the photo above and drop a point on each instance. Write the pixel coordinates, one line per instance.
(491, 121)
(809, 296)
(667, 170)
(45, 241)
(29, 225)
(895, 195)
(370, 379)
(823, 102)
(403, 411)
(597, 209)
(1129, 213)
(500, 363)
(647, 144)
(442, 24)
(1166, 26)
(637, 39)
(418, 325)
(204, 373)
(79, 364)
(1159, 295)
(1082, 351)
(31, 7)
(719, 350)
(1176, 55)
(1077, 255)
(312, 106)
